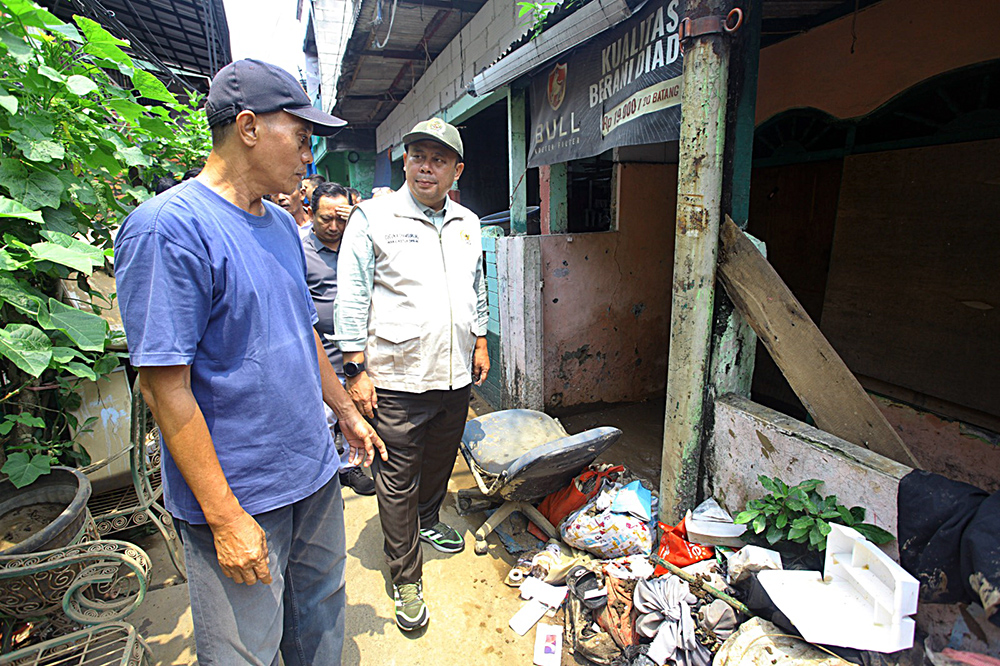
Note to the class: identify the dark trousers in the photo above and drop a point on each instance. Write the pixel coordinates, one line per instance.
(421, 432)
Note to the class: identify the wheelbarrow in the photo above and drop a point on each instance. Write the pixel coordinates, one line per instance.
(518, 456)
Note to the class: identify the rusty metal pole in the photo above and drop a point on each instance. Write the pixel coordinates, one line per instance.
(699, 201)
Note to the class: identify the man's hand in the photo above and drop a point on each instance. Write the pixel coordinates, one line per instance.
(241, 546)
(362, 392)
(343, 211)
(362, 440)
(480, 362)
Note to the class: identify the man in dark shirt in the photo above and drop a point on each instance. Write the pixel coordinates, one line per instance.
(322, 247)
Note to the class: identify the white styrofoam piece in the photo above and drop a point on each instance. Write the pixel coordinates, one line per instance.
(550, 595)
(863, 601)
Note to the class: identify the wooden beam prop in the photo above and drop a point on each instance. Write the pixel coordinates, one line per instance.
(820, 378)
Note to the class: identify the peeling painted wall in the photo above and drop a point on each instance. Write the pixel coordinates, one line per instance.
(951, 448)
(750, 439)
(606, 296)
(899, 43)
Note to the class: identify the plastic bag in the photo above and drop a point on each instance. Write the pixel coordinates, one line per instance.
(556, 506)
(605, 533)
(676, 549)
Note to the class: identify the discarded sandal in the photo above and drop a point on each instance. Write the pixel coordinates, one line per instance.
(585, 586)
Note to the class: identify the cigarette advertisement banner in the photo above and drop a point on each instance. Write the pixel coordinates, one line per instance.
(621, 88)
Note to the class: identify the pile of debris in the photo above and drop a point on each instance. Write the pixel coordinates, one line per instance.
(634, 592)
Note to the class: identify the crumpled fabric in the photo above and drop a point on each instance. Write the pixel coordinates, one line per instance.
(664, 607)
(719, 618)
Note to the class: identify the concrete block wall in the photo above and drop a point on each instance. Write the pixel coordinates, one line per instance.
(750, 439)
(476, 46)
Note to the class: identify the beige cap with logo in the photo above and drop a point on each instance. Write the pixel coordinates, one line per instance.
(438, 130)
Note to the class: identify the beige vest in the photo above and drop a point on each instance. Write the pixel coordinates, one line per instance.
(422, 321)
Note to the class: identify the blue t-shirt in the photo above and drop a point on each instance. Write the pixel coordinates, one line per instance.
(202, 282)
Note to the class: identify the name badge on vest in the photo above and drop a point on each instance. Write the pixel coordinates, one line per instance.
(407, 239)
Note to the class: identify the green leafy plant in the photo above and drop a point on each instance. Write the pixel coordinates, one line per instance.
(800, 514)
(82, 126)
(538, 13)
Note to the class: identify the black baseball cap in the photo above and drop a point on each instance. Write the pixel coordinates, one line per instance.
(262, 88)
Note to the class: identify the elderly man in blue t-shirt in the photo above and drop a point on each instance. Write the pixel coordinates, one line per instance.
(211, 284)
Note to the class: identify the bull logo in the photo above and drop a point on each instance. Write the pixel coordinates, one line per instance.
(557, 86)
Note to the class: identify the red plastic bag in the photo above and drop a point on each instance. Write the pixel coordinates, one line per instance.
(563, 502)
(676, 549)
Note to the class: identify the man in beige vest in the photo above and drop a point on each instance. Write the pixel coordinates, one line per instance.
(411, 321)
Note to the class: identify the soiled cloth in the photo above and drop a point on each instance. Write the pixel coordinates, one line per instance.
(949, 538)
(664, 608)
(719, 618)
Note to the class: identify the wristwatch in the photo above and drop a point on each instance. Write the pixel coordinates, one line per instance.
(352, 369)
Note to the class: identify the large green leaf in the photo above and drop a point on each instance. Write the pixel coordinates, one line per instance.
(127, 109)
(8, 102)
(11, 208)
(27, 347)
(151, 87)
(33, 126)
(20, 295)
(43, 151)
(86, 329)
(81, 370)
(79, 255)
(133, 156)
(874, 533)
(9, 263)
(62, 219)
(33, 188)
(80, 85)
(102, 43)
(29, 14)
(52, 74)
(23, 469)
(19, 49)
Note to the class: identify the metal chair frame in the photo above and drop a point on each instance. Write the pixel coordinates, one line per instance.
(87, 582)
(122, 508)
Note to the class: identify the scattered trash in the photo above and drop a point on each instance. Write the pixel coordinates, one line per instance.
(711, 525)
(636, 500)
(664, 614)
(521, 570)
(760, 643)
(585, 637)
(548, 645)
(551, 595)
(750, 559)
(527, 616)
(583, 584)
(630, 567)
(676, 549)
(563, 502)
(619, 614)
(598, 529)
(863, 600)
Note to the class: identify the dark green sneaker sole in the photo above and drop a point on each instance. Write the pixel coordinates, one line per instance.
(412, 624)
(441, 544)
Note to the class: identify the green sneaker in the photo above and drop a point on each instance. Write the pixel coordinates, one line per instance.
(444, 538)
(411, 611)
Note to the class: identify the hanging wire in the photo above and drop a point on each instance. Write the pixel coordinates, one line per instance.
(392, 18)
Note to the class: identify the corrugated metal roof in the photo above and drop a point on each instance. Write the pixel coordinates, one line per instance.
(372, 81)
(190, 37)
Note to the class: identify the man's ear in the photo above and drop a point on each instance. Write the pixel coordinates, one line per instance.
(248, 127)
(458, 170)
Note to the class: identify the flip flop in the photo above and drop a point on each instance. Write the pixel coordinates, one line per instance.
(585, 586)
